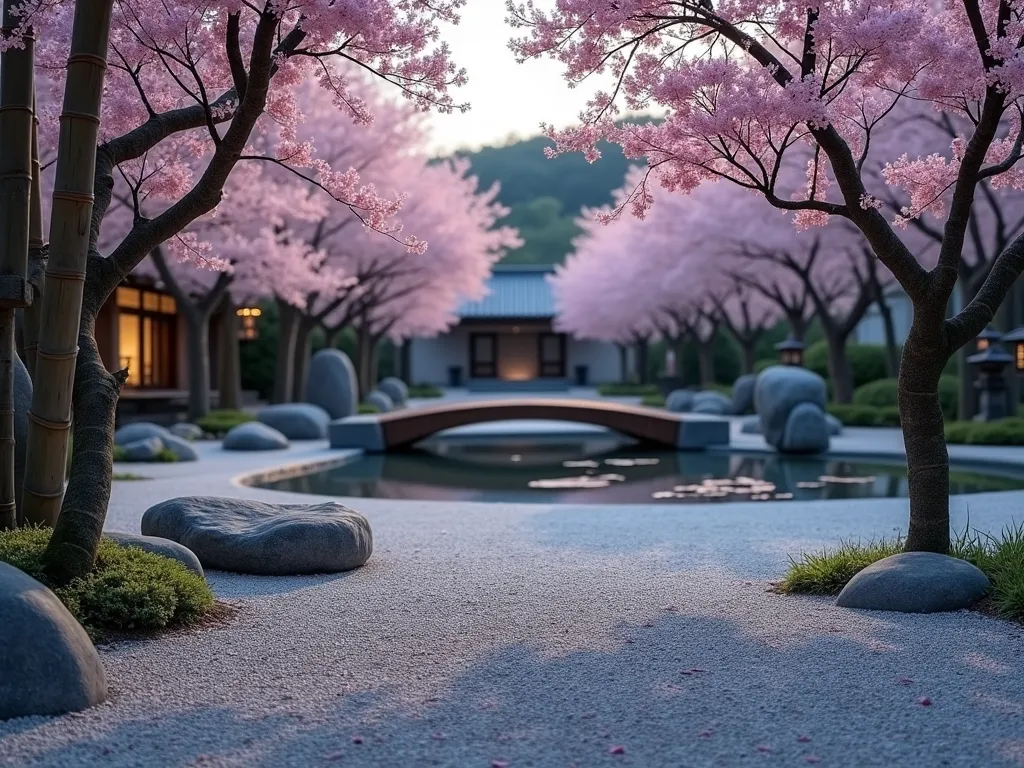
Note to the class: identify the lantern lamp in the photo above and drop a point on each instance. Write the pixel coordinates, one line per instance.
(791, 351)
(248, 315)
(991, 384)
(1015, 340)
(986, 338)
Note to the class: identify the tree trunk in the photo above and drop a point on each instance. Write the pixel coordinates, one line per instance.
(839, 370)
(37, 254)
(197, 344)
(16, 95)
(892, 352)
(748, 355)
(363, 361)
(332, 336)
(642, 348)
(229, 371)
(924, 437)
(623, 362)
(46, 458)
(374, 362)
(706, 362)
(303, 349)
(284, 380)
(797, 324)
(76, 535)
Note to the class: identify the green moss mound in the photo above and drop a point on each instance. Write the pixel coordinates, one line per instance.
(165, 456)
(654, 401)
(219, 422)
(883, 394)
(1000, 556)
(627, 390)
(1001, 432)
(368, 408)
(128, 590)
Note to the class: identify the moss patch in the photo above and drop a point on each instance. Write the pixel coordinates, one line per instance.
(627, 390)
(1001, 557)
(128, 590)
(219, 422)
(424, 391)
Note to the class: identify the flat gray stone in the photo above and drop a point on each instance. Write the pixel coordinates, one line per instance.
(751, 425)
(679, 401)
(147, 449)
(915, 582)
(254, 436)
(778, 390)
(711, 402)
(380, 401)
(699, 431)
(186, 431)
(743, 394)
(158, 546)
(807, 430)
(332, 383)
(48, 665)
(396, 389)
(181, 448)
(363, 432)
(139, 430)
(297, 421)
(245, 536)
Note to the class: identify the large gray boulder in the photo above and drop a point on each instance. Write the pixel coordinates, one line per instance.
(187, 431)
(751, 425)
(380, 401)
(22, 404)
(332, 383)
(743, 394)
(807, 430)
(254, 436)
(835, 426)
(679, 401)
(915, 582)
(182, 449)
(297, 421)
(269, 539)
(778, 390)
(143, 450)
(396, 389)
(139, 430)
(48, 665)
(711, 402)
(158, 546)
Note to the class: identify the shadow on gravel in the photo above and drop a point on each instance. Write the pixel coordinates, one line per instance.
(236, 586)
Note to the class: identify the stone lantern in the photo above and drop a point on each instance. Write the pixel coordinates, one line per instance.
(987, 338)
(247, 316)
(791, 352)
(991, 383)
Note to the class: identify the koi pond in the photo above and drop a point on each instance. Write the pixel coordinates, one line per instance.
(609, 470)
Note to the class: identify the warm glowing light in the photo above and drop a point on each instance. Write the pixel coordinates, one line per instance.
(248, 315)
(983, 344)
(1020, 355)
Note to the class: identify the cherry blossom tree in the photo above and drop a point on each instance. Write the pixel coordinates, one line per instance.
(201, 80)
(747, 82)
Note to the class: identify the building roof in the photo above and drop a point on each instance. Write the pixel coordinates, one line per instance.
(514, 291)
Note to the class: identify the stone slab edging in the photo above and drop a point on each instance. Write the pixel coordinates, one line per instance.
(256, 477)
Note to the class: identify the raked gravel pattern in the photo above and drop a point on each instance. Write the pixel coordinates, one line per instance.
(534, 635)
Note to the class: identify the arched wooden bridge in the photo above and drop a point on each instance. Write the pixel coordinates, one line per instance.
(401, 429)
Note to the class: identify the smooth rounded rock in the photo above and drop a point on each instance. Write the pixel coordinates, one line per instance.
(751, 425)
(679, 401)
(246, 536)
(396, 389)
(139, 430)
(332, 383)
(915, 582)
(187, 431)
(48, 665)
(158, 546)
(380, 401)
(778, 390)
(711, 402)
(297, 421)
(143, 450)
(254, 436)
(182, 449)
(835, 426)
(807, 430)
(743, 394)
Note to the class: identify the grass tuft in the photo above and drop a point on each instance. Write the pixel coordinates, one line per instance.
(128, 590)
(1000, 556)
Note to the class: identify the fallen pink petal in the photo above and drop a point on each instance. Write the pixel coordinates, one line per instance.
(812, 759)
(803, 739)
(924, 701)
(616, 749)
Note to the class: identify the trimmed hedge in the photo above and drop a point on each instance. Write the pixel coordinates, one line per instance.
(865, 415)
(424, 391)
(653, 401)
(1002, 432)
(129, 589)
(867, 361)
(627, 390)
(883, 394)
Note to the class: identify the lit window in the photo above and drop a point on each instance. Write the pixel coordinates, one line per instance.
(167, 305)
(130, 298)
(151, 301)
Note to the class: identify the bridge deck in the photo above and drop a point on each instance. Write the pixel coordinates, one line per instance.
(403, 428)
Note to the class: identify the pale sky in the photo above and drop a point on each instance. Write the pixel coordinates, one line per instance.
(506, 98)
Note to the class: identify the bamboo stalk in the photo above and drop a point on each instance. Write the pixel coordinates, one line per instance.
(36, 258)
(16, 95)
(71, 215)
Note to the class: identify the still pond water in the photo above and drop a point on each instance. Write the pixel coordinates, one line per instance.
(607, 471)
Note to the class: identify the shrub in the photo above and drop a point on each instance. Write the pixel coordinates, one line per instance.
(368, 408)
(654, 401)
(865, 415)
(424, 391)
(166, 455)
(627, 390)
(219, 422)
(760, 365)
(128, 589)
(1002, 432)
(867, 361)
(883, 394)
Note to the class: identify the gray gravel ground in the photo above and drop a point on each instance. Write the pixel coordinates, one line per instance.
(532, 635)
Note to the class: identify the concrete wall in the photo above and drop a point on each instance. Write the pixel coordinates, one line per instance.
(430, 359)
(601, 359)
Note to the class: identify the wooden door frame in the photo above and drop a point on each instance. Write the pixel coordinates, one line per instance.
(474, 363)
(562, 362)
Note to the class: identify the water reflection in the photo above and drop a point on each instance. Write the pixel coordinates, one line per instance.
(604, 470)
